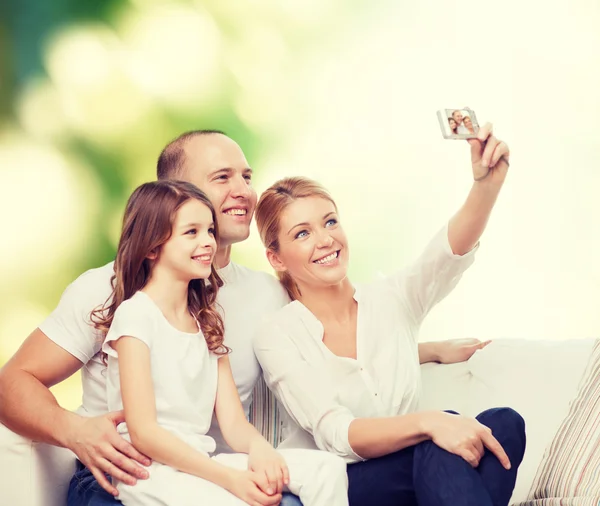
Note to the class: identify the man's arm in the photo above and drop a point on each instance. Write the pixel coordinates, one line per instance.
(28, 408)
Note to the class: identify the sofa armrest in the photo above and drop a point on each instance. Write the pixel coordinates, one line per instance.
(33, 474)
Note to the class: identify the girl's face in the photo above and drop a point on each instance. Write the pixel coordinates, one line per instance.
(313, 247)
(452, 124)
(190, 250)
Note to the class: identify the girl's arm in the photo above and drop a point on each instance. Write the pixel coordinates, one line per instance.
(270, 468)
(238, 432)
(147, 436)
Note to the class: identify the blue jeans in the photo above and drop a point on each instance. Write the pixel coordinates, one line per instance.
(427, 475)
(84, 490)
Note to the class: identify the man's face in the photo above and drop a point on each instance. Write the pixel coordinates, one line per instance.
(458, 117)
(217, 165)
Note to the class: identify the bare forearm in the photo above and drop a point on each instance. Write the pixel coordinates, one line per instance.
(375, 437)
(28, 408)
(242, 435)
(429, 352)
(163, 446)
(467, 225)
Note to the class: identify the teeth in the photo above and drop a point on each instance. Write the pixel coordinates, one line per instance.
(328, 258)
(202, 257)
(236, 212)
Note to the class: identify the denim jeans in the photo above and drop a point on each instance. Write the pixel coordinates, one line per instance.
(84, 490)
(427, 475)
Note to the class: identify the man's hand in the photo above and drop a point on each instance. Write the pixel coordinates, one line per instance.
(101, 449)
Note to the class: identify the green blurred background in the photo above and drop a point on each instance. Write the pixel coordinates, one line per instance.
(345, 92)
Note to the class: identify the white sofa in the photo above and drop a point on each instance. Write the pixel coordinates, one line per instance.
(537, 378)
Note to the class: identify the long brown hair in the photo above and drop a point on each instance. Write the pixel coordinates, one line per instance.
(147, 225)
(272, 204)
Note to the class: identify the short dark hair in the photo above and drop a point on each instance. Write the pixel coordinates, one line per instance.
(172, 158)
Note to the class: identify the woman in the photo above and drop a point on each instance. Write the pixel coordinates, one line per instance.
(344, 362)
(469, 124)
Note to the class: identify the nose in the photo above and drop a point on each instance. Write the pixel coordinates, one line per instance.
(240, 187)
(324, 239)
(207, 240)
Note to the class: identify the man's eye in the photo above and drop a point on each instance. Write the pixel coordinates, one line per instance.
(224, 177)
(248, 177)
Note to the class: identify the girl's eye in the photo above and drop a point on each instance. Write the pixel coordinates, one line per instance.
(211, 231)
(191, 231)
(301, 234)
(331, 222)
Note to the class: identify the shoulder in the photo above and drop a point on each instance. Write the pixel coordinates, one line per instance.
(137, 306)
(282, 321)
(264, 285)
(92, 286)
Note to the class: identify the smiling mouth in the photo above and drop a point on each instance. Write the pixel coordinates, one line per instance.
(206, 258)
(236, 212)
(328, 259)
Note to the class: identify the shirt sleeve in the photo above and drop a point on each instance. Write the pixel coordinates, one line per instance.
(133, 319)
(305, 391)
(432, 277)
(69, 325)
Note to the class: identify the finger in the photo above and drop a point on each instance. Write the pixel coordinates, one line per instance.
(478, 449)
(485, 132)
(286, 474)
(271, 481)
(116, 417)
(500, 151)
(468, 455)
(126, 448)
(488, 151)
(109, 468)
(263, 499)
(484, 344)
(279, 477)
(261, 481)
(125, 464)
(492, 444)
(103, 481)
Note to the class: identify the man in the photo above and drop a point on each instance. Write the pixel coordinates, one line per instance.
(458, 117)
(65, 342)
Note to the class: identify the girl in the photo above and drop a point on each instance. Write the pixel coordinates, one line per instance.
(168, 368)
(344, 362)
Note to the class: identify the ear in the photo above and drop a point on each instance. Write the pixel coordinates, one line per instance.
(275, 261)
(153, 255)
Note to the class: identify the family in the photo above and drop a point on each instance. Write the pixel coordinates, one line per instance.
(173, 336)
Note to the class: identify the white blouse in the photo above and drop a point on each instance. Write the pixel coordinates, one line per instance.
(323, 393)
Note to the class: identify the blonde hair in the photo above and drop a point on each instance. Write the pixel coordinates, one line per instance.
(271, 206)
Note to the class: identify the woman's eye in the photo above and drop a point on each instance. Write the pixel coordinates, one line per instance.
(301, 234)
(331, 222)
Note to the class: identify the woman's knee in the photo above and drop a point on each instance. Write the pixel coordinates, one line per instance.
(503, 417)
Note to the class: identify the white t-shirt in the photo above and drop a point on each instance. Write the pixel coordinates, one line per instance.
(245, 299)
(462, 130)
(184, 371)
(323, 392)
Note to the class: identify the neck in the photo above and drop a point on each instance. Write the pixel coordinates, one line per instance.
(329, 303)
(223, 256)
(170, 294)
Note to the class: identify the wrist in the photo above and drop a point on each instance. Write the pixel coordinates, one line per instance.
(66, 427)
(226, 478)
(426, 422)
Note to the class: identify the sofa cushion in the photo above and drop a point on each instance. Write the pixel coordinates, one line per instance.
(539, 379)
(569, 474)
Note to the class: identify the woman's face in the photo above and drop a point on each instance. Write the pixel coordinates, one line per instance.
(313, 247)
(467, 122)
